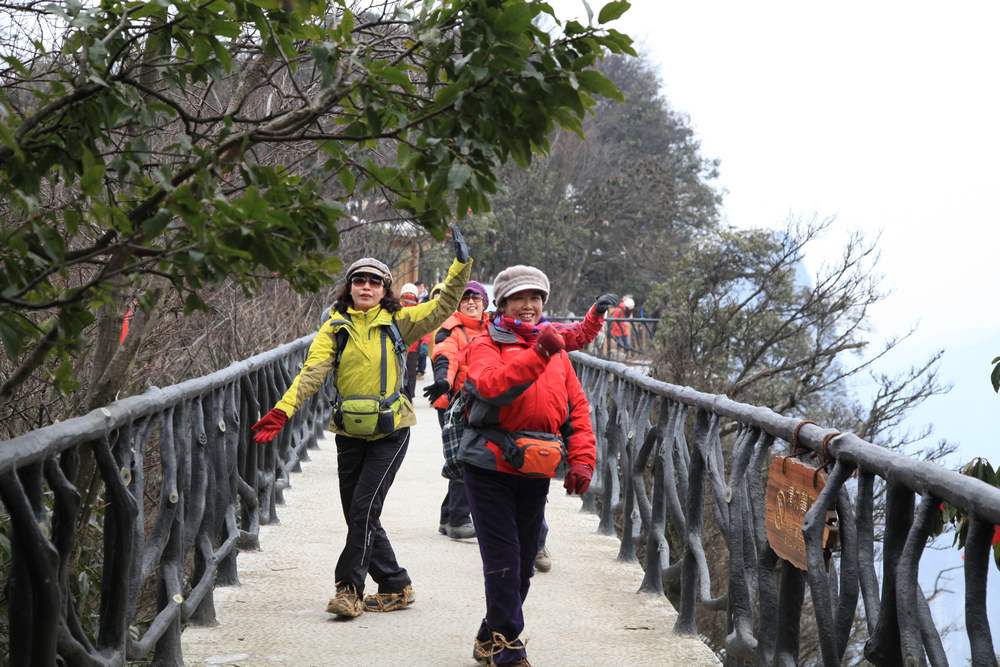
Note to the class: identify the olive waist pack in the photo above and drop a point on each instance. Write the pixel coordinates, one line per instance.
(366, 415)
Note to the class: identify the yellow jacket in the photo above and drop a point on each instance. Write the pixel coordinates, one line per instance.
(361, 360)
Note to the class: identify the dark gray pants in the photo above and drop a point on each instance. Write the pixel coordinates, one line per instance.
(366, 470)
(455, 506)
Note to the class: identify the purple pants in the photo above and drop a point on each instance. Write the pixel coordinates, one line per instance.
(508, 511)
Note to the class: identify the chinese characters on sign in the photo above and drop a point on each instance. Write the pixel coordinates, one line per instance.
(792, 488)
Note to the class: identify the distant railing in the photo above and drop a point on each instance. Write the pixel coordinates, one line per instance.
(215, 488)
(623, 338)
(654, 481)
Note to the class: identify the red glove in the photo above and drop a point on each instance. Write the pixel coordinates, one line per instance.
(269, 425)
(578, 478)
(550, 342)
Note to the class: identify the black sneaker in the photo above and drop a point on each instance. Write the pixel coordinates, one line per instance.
(463, 532)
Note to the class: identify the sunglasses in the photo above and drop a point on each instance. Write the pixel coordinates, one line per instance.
(472, 296)
(362, 278)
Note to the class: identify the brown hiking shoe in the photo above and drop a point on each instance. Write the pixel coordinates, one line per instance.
(482, 650)
(497, 644)
(346, 602)
(390, 601)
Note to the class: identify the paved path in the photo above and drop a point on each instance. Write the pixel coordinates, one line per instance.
(584, 613)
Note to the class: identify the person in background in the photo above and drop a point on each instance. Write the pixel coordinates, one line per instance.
(363, 346)
(408, 298)
(426, 346)
(422, 291)
(621, 332)
(448, 365)
(526, 411)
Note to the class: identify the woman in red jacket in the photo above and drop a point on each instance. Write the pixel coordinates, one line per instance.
(450, 370)
(527, 411)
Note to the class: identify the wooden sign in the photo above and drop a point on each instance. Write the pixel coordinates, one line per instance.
(792, 488)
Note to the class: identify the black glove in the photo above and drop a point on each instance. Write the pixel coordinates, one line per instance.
(436, 390)
(604, 302)
(461, 247)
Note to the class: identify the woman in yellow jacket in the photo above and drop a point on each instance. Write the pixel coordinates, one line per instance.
(364, 344)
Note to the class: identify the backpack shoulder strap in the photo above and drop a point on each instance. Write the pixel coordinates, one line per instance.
(341, 339)
(399, 347)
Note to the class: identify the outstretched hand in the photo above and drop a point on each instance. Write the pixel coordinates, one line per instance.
(604, 302)
(436, 390)
(461, 247)
(269, 426)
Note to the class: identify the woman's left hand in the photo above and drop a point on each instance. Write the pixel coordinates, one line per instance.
(604, 302)
(461, 247)
(578, 478)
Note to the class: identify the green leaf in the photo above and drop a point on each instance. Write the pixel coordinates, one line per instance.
(447, 95)
(596, 82)
(11, 336)
(396, 75)
(347, 179)
(64, 378)
(516, 18)
(612, 11)
(458, 175)
(93, 174)
(995, 377)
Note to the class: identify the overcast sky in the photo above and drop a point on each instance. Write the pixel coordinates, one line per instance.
(883, 114)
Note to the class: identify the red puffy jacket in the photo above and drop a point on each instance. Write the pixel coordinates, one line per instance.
(513, 388)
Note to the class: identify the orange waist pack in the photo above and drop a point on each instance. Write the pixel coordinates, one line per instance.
(533, 454)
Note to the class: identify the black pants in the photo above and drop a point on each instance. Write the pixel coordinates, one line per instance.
(508, 511)
(410, 385)
(366, 469)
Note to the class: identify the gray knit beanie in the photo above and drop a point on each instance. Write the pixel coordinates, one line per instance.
(517, 279)
(370, 265)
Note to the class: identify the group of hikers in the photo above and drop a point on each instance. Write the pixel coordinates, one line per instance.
(507, 378)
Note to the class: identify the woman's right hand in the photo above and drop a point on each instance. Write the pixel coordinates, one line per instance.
(269, 426)
(550, 342)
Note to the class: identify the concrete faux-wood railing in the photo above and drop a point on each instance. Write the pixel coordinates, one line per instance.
(216, 487)
(764, 594)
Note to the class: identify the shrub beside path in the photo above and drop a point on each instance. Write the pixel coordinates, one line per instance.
(584, 613)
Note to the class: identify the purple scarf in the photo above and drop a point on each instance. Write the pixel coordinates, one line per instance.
(528, 332)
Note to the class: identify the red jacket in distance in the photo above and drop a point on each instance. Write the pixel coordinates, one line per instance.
(515, 389)
(620, 328)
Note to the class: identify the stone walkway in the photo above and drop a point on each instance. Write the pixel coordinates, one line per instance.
(584, 613)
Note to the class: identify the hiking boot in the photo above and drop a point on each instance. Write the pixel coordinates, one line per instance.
(498, 643)
(346, 602)
(543, 562)
(482, 650)
(443, 528)
(463, 532)
(390, 601)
